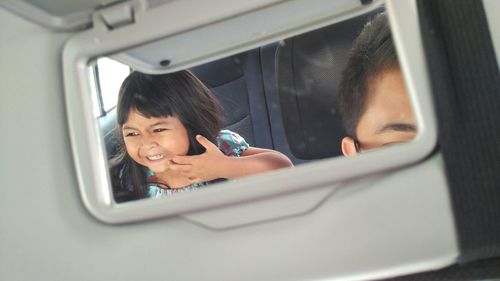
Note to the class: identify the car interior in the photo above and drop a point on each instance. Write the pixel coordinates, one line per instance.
(274, 95)
(427, 209)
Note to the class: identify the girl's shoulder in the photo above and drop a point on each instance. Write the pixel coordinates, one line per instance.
(231, 143)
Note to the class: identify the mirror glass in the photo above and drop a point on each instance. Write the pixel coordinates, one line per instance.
(333, 92)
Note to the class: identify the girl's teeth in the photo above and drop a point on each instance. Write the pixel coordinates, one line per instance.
(156, 157)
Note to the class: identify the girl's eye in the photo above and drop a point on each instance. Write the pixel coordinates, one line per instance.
(131, 134)
(159, 130)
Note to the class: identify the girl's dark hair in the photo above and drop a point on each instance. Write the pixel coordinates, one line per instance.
(373, 52)
(178, 94)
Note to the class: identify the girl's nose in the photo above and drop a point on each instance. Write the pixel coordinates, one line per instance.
(149, 145)
(148, 142)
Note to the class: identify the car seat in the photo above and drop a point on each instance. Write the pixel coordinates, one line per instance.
(309, 69)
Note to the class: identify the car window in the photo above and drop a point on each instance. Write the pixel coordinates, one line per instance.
(106, 76)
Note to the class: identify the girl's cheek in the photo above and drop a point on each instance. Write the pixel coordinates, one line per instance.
(129, 148)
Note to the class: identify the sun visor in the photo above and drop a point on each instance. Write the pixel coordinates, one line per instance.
(232, 35)
(63, 15)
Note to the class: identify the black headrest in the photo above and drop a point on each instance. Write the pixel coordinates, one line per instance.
(309, 69)
(225, 78)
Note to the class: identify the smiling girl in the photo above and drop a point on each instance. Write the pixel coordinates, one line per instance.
(169, 131)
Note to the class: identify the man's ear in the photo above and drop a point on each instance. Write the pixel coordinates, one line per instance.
(348, 146)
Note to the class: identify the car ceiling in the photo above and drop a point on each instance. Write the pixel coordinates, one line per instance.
(64, 15)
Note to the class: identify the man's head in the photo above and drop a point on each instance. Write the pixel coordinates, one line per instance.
(373, 100)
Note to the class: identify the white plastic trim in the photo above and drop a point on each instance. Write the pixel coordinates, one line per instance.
(88, 148)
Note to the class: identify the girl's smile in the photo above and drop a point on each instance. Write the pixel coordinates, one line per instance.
(156, 157)
(153, 142)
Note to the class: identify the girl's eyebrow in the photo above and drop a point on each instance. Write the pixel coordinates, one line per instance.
(160, 123)
(127, 127)
(400, 127)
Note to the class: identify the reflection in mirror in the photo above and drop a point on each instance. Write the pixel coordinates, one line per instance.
(373, 99)
(329, 92)
(171, 138)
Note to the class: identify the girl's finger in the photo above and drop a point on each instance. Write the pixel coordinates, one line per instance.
(205, 142)
(194, 179)
(180, 168)
(183, 160)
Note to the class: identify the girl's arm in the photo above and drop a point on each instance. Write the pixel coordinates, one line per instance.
(255, 160)
(214, 164)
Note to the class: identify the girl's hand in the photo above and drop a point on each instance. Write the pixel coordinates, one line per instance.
(204, 167)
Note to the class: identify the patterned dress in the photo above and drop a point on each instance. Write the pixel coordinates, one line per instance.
(230, 143)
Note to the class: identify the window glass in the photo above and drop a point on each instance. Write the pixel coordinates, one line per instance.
(96, 105)
(111, 75)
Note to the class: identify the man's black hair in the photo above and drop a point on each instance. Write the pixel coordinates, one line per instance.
(372, 53)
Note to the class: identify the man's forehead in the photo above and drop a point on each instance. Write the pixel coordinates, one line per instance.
(388, 107)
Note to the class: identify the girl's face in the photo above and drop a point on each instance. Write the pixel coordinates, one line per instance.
(152, 142)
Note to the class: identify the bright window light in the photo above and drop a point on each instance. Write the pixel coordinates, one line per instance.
(111, 76)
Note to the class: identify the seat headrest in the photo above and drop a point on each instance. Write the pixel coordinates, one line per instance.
(309, 70)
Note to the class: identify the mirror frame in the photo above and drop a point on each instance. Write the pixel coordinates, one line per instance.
(87, 143)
